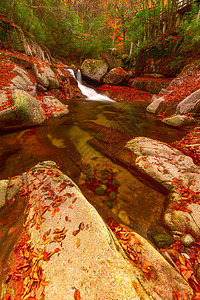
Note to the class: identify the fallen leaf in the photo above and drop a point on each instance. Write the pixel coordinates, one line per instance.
(134, 284)
(77, 295)
(46, 241)
(78, 243)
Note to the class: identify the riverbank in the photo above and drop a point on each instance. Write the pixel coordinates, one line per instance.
(53, 223)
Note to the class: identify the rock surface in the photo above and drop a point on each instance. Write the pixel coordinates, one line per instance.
(178, 174)
(44, 74)
(179, 120)
(150, 85)
(94, 69)
(25, 112)
(181, 96)
(64, 229)
(116, 76)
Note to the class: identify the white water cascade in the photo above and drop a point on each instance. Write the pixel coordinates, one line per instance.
(88, 92)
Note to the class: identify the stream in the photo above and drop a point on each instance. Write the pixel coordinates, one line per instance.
(109, 187)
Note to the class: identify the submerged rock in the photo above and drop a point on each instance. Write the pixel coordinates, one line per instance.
(187, 240)
(63, 231)
(179, 120)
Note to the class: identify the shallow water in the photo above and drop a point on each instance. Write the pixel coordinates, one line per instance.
(65, 142)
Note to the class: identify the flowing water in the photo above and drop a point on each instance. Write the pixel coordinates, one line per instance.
(65, 141)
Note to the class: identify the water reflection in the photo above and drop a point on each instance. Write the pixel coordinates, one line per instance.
(65, 141)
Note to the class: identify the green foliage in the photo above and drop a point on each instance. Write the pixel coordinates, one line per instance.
(190, 25)
(79, 29)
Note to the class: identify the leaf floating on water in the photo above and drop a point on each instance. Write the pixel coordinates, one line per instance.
(77, 295)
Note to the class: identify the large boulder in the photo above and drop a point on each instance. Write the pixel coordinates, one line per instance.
(178, 174)
(44, 74)
(59, 235)
(23, 81)
(116, 76)
(181, 96)
(151, 85)
(94, 69)
(25, 112)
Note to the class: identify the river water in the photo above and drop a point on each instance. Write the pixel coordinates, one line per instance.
(65, 141)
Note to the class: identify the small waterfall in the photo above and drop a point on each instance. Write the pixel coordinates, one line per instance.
(79, 76)
(89, 92)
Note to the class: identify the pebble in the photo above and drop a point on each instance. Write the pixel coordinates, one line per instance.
(187, 240)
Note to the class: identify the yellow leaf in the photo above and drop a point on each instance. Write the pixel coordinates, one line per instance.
(78, 243)
(46, 241)
(45, 283)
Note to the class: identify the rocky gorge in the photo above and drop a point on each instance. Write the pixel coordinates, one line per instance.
(52, 237)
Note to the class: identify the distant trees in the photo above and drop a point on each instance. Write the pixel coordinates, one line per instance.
(85, 28)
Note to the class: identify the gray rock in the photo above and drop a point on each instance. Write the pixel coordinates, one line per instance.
(153, 106)
(179, 120)
(167, 166)
(188, 104)
(56, 106)
(94, 69)
(187, 240)
(45, 75)
(165, 91)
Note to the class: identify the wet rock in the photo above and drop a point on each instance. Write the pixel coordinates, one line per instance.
(175, 171)
(107, 273)
(94, 69)
(153, 106)
(116, 76)
(3, 192)
(161, 239)
(179, 120)
(53, 104)
(100, 191)
(124, 217)
(187, 240)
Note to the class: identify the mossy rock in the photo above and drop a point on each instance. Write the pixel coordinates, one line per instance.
(94, 69)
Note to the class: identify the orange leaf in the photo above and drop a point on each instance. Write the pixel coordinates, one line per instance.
(46, 241)
(134, 284)
(78, 243)
(77, 295)
(182, 260)
(44, 283)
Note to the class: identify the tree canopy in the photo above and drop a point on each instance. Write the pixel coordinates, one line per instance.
(86, 28)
